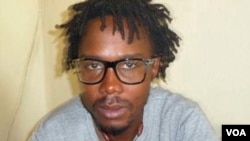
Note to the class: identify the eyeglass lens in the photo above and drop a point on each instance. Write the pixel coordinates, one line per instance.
(128, 71)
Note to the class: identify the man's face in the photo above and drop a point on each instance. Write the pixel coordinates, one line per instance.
(113, 104)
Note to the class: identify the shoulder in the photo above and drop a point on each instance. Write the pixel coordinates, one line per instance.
(178, 117)
(166, 105)
(69, 110)
(165, 99)
(63, 122)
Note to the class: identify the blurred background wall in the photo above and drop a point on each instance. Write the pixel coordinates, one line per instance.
(212, 66)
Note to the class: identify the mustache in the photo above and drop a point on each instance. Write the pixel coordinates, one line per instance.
(112, 100)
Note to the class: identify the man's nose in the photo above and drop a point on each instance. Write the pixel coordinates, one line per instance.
(111, 84)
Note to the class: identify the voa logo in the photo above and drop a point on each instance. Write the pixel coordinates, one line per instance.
(236, 132)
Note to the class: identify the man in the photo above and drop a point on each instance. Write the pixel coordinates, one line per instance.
(117, 48)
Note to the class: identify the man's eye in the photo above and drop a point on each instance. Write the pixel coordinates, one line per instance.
(128, 65)
(93, 66)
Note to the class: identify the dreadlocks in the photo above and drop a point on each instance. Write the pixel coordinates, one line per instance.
(153, 17)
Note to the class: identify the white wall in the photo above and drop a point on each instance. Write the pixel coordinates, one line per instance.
(211, 67)
(21, 68)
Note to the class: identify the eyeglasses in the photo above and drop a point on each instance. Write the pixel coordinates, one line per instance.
(128, 71)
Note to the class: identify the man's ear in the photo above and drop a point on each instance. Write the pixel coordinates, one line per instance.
(155, 67)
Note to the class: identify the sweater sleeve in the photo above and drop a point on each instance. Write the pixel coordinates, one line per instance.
(194, 126)
(48, 131)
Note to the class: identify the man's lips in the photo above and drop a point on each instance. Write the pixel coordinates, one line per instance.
(112, 112)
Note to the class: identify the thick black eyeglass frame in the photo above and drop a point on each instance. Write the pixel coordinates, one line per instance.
(107, 64)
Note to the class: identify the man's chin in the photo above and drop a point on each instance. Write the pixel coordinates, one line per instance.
(113, 130)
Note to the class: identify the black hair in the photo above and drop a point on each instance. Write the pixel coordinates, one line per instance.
(153, 17)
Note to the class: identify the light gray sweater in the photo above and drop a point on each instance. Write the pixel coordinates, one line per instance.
(167, 117)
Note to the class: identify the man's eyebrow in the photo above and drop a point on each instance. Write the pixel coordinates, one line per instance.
(127, 56)
(137, 55)
(88, 56)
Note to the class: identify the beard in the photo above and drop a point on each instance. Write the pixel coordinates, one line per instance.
(112, 130)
